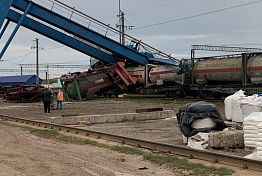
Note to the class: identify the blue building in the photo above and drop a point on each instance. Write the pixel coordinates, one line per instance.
(19, 80)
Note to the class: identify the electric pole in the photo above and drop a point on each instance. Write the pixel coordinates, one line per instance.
(37, 59)
(119, 21)
(36, 47)
(122, 27)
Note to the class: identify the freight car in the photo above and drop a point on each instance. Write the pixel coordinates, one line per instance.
(223, 75)
(24, 93)
(206, 77)
(106, 80)
(211, 77)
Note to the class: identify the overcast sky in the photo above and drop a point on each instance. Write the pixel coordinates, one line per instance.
(239, 26)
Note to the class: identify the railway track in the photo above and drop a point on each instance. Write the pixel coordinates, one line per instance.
(171, 149)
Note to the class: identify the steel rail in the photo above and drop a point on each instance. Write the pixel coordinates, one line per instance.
(155, 146)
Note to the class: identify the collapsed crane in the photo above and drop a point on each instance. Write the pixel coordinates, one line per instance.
(83, 38)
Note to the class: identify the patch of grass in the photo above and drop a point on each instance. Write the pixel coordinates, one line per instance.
(126, 150)
(80, 141)
(184, 165)
(17, 126)
(45, 133)
(175, 163)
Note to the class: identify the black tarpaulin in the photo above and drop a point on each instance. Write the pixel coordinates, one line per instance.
(199, 110)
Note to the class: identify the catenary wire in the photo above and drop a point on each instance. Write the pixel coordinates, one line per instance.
(200, 14)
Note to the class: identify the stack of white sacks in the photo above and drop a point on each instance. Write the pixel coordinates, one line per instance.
(259, 142)
(251, 131)
(238, 106)
(247, 109)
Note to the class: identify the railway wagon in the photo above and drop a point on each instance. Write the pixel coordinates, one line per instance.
(106, 80)
(208, 77)
(223, 75)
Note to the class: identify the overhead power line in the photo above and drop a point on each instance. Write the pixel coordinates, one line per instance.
(153, 4)
(201, 14)
(21, 56)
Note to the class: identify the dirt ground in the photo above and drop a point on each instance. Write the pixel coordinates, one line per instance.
(165, 131)
(24, 154)
(94, 107)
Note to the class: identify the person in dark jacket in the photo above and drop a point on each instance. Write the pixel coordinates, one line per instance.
(46, 98)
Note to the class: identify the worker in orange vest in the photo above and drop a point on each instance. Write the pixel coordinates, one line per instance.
(60, 99)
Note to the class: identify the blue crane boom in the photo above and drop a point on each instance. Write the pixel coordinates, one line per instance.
(70, 33)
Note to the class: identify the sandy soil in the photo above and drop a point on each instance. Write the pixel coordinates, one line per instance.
(23, 154)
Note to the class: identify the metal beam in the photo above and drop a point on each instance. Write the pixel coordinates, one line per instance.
(60, 37)
(75, 82)
(4, 28)
(16, 29)
(120, 51)
(4, 8)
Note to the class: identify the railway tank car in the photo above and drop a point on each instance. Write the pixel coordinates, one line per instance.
(105, 80)
(212, 77)
(221, 76)
(227, 70)
(87, 85)
(156, 75)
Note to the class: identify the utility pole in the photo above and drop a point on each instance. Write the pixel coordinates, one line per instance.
(122, 28)
(37, 59)
(37, 48)
(121, 24)
(119, 21)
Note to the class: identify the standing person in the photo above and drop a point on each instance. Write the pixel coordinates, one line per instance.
(60, 99)
(46, 98)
